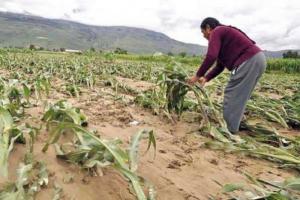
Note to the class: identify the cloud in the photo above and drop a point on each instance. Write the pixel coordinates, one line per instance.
(272, 24)
(78, 10)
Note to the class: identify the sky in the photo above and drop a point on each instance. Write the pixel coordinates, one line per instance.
(273, 24)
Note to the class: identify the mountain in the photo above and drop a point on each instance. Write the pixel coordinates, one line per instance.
(20, 30)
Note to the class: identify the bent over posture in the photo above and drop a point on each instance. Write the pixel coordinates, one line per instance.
(231, 48)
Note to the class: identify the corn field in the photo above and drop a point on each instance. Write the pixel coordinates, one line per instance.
(57, 85)
(284, 65)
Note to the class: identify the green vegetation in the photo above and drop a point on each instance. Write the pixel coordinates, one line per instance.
(291, 54)
(30, 77)
(289, 65)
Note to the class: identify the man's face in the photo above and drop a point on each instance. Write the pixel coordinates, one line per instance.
(206, 32)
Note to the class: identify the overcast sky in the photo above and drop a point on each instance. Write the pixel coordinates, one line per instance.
(273, 24)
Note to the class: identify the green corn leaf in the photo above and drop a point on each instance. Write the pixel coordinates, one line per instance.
(134, 147)
(232, 187)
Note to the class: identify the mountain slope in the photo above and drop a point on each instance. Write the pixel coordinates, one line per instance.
(20, 30)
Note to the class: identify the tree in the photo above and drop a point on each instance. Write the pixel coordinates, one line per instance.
(32, 47)
(120, 51)
(290, 54)
(170, 53)
(182, 54)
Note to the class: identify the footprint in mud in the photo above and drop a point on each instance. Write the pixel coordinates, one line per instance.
(162, 151)
(214, 161)
(186, 158)
(175, 164)
(240, 165)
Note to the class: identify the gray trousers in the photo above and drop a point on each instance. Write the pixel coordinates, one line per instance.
(239, 88)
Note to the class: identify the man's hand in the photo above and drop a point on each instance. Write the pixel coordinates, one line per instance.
(202, 81)
(193, 80)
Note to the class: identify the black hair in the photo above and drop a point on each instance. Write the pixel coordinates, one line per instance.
(213, 23)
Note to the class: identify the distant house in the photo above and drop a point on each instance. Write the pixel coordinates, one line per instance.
(73, 51)
(158, 54)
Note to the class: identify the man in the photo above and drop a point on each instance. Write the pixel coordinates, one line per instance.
(231, 48)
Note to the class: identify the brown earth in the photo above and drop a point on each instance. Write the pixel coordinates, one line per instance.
(182, 169)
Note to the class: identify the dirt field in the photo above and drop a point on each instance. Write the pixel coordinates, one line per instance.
(182, 170)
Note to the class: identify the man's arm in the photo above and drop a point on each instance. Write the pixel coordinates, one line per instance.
(214, 46)
(215, 71)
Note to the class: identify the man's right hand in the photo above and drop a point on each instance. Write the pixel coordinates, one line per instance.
(202, 81)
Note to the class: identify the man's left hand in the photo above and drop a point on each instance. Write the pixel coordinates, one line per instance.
(193, 80)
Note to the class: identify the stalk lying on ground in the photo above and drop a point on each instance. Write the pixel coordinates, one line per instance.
(91, 151)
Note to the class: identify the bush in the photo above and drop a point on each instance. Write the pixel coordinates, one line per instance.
(170, 54)
(182, 54)
(120, 51)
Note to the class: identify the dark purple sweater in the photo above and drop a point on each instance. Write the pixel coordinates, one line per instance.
(229, 47)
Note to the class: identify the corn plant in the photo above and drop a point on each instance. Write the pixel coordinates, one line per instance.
(91, 151)
(12, 96)
(72, 90)
(8, 135)
(285, 153)
(285, 65)
(64, 112)
(262, 189)
(171, 80)
(32, 176)
(152, 99)
(42, 85)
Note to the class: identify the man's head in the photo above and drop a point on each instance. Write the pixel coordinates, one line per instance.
(207, 25)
